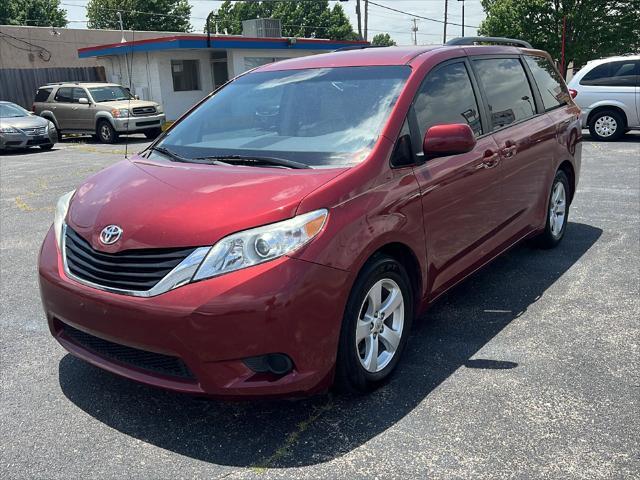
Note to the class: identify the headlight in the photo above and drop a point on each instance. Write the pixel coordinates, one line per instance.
(9, 130)
(61, 213)
(259, 245)
(159, 109)
(120, 112)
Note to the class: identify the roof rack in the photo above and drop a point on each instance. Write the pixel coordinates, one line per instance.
(357, 47)
(498, 40)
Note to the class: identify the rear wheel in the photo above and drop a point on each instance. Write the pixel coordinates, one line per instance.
(557, 212)
(105, 132)
(154, 133)
(375, 326)
(607, 125)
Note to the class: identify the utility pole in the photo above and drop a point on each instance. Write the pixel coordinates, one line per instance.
(122, 40)
(444, 33)
(462, 16)
(359, 14)
(564, 39)
(414, 29)
(366, 20)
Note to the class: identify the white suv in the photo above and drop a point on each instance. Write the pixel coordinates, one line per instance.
(608, 92)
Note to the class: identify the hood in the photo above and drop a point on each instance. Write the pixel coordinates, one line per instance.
(30, 121)
(128, 104)
(161, 204)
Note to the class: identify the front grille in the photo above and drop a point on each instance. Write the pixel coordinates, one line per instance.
(147, 123)
(141, 359)
(137, 270)
(138, 111)
(35, 131)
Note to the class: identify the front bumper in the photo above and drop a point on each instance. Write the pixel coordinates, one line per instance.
(138, 124)
(22, 140)
(285, 306)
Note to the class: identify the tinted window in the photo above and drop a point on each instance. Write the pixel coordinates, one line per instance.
(613, 74)
(64, 94)
(318, 116)
(507, 89)
(446, 96)
(552, 91)
(79, 93)
(186, 75)
(42, 94)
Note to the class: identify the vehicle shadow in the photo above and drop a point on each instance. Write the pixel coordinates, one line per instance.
(303, 432)
(91, 140)
(632, 136)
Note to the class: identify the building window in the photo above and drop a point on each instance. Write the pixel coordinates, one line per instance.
(186, 75)
(253, 62)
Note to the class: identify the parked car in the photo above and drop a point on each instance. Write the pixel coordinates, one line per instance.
(19, 128)
(608, 92)
(286, 232)
(106, 110)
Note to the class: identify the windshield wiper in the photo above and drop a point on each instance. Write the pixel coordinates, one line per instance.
(178, 158)
(253, 160)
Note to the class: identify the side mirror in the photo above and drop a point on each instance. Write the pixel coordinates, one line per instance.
(136, 97)
(83, 101)
(444, 140)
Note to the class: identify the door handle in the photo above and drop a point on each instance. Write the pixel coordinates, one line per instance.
(509, 150)
(490, 159)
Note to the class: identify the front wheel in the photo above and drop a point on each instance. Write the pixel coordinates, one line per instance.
(557, 212)
(375, 326)
(106, 133)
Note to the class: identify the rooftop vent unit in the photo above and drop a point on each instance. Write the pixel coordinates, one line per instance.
(262, 28)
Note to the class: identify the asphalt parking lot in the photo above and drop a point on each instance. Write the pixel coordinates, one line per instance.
(529, 369)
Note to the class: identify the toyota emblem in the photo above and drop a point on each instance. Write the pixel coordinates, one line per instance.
(110, 234)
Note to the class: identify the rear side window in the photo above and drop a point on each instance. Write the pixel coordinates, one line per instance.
(446, 96)
(507, 89)
(42, 94)
(552, 91)
(613, 74)
(64, 94)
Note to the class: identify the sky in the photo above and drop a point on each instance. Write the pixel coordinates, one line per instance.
(398, 25)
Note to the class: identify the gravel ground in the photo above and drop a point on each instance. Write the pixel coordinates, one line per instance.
(526, 370)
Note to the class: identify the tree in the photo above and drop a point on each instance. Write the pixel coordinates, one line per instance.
(154, 15)
(594, 28)
(383, 40)
(40, 13)
(299, 19)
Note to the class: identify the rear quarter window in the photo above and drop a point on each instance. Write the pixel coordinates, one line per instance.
(43, 94)
(552, 90)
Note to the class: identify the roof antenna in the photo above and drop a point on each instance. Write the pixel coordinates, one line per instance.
(129, 68)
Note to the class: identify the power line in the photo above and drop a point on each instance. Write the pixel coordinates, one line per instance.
(417, 16)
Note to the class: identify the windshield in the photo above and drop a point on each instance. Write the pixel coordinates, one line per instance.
(110, 93)
(317, 117)
(12, 111)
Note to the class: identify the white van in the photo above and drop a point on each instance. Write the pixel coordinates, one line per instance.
(608, 92)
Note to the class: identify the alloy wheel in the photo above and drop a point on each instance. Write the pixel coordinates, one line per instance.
(557, 209)
(379, 325)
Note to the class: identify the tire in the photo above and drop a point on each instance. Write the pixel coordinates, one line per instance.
(46, 147)
(607, 125)
(355, 372)
(558, 199)
(106, 133)
(151, 134)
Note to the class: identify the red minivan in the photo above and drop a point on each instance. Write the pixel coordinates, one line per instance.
(284, 233)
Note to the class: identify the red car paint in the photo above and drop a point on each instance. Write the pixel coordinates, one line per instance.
(445, 217)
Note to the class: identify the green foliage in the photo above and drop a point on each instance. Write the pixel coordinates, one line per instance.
(299, 19)
(594, 28)
(169, 15)
(40, 13)
(383, 40)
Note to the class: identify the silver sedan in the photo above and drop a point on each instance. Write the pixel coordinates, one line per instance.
(19, 128)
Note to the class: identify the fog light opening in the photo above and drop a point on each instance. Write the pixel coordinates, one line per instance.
(276, 363)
